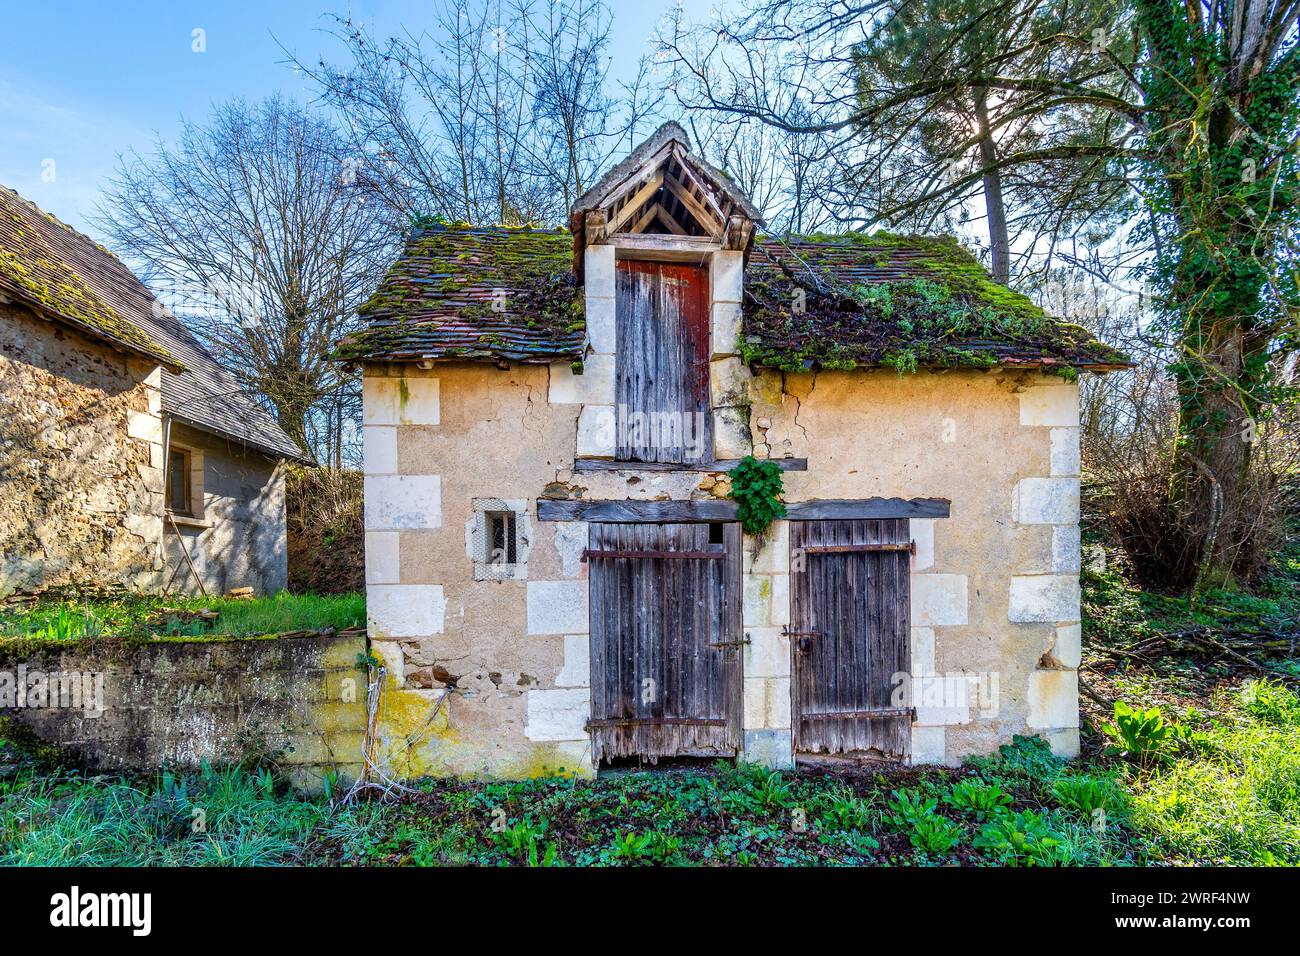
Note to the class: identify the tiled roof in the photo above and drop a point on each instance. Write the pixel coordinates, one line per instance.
(69, 277)
(901, 301)
(207, 397)
(65, 275)
(865, 301)
(491, 294)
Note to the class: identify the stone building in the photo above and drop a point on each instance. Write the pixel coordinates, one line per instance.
(556, 575)
(124, 446)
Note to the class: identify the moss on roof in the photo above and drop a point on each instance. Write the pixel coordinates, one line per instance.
(829, 301)
(842, 301)
(55, 268)
(460, 291)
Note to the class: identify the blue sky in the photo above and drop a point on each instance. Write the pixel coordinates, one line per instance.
(82, 82)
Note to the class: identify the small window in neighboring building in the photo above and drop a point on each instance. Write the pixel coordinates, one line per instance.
(178, 481)
(502, 541)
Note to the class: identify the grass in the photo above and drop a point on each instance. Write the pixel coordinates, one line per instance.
(1227, 792)
(1201, 766)
(66, 620)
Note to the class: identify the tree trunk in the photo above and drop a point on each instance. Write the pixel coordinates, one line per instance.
(1213, 455)
(999, 245)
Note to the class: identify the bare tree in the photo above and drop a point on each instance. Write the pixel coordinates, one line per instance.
(253, 229)
(502, 113)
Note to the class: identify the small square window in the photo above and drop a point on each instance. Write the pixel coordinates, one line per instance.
(499, 539)
(178, 481)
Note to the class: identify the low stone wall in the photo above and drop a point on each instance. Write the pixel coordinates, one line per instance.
(178, 702)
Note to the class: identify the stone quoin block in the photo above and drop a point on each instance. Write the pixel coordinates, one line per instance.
(595, 386)
(728, 382)
(1046, 501)
(383, 557)
(389, 400)
(143, 427)
(768, 652)
(731, 438)
(557, 607)
(1064, 742)
(1065, 452)
(597, 431)
(774, 558)
(779, 614)
(922, 531)
(405, 610)
(1066, 549)
(757, 607)
(928, 745)
(725, 326)
(727, 275)
(403, 502)
(1044, 598)
(559, 714)
(1055, 406)
(922, 650)
(767, 702)
(939, 599)
(602, 331)
(598, 272)
(380, 449)
(391, 656)
(1068, 647)
(1053, 699)
(769, 747)
(576, 671)
(940, 699)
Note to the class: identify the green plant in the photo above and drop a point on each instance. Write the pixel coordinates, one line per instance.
(845, 810)
(1023, 837)
(934, 834)
(978, 799)
(1087, 794)
(757, 487)
(631, 846)
(1271, 702)
(907, 806)
(1139, 733)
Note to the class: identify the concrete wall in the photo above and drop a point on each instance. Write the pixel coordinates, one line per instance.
(236, 538)
(80, 461)
(995, 586)
(179, 702)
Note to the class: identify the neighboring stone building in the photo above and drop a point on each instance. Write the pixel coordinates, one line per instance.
(555, 572)
(121, 439)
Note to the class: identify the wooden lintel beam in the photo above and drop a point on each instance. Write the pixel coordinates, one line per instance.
(551, 509)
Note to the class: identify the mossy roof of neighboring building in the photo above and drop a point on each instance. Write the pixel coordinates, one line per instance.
(68, 277)
(821, 301)
(65, 275)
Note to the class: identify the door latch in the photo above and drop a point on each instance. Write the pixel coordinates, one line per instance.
(805, 638)
(735, 643)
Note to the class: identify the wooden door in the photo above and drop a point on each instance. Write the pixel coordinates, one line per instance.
(851, 637)
(665, 640)
(661, 368)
